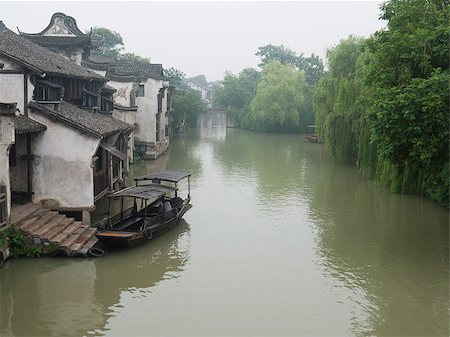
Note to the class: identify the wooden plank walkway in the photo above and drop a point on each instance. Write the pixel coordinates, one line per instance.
(44, 226)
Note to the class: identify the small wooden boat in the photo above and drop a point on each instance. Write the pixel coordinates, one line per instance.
(160, 210)
(312, 138)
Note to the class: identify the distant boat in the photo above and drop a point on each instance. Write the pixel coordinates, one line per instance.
(160, 210)
(312, 138)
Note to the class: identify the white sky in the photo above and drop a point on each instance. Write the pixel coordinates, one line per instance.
(208, 37)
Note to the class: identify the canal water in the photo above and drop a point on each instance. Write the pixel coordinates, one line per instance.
(281, 240)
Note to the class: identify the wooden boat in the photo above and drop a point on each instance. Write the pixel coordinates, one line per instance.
(160, 210)
(312, 138)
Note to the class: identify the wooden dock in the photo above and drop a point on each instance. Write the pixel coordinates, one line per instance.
(43, 227)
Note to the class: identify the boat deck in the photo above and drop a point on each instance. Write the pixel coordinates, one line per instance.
(42, 226)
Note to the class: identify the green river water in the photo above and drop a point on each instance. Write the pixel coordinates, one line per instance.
(280, 241)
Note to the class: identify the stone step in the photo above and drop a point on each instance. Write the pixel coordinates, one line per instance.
(82, 239)
(40, 222)
(66, 232)
(55, 221)
(72, 238)
(31, 219)
(57, 229)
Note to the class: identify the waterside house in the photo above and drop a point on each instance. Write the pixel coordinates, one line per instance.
(62, 152)
(137, 93)
(142, 97)
(204, 92)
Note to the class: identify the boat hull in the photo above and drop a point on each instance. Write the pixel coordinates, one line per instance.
(115, 239)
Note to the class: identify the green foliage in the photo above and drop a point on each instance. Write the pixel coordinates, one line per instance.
(385, 100)
(336, 99)
(409, 104)
(278, 99)
(111, 42)
(312, 66)
(187, 105)
(112, 46)
(175, 77)
(52, 247)
(137, 159)
(17, 247)
(236, 94)
(132, 57)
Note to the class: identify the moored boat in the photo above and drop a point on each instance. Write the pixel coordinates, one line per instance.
(160, 209)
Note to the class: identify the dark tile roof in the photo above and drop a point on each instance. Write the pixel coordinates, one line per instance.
(52, 41)
(24, 125)
(95, 124)
(40, 59)
(100, 59)
(132, 71)
(69, 22)
(108, 88)
(135, 68)
(97, 62)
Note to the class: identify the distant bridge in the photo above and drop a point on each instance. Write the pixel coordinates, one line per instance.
(217, 112)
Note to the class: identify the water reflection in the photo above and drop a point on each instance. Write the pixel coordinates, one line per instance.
(61, 297)
(391, 250)
(387, 254)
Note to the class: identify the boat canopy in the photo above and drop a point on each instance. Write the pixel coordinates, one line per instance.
(171, 176)
(149, 192)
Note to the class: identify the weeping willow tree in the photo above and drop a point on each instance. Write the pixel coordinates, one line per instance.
(336, 99)
(409, 115)
(384, 101)
(279, 99)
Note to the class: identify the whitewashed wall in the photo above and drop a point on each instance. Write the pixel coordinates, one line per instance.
(6, 139)
(12, 85)
(62, 169)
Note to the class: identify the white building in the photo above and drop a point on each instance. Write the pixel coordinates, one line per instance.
(143, 96)
(203, 91)
(66, 155)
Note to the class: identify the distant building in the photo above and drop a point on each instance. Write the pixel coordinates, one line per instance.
(204, 92)
(143, 96)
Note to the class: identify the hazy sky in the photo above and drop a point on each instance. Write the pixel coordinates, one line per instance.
(208, 37)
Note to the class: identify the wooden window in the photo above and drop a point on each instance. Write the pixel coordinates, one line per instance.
(12, 156)
(141, 91)
(48, 91)
(89, 99)
(107, 104)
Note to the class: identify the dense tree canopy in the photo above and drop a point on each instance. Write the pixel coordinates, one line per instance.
(385, 100)
(336, 99)
(112, 42)
(278, 99)
(187, 105)
(236, 94)
(312, 66)
(175, 77)
(409, 116)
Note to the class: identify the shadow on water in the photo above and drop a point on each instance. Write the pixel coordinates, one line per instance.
(77, 297)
